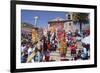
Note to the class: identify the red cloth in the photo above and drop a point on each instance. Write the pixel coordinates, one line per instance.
(73, 47)
(49, 46)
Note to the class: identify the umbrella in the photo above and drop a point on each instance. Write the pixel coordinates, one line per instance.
(86, 40)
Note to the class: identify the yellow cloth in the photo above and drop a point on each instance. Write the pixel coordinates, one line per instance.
(35, 36)
(63, 48)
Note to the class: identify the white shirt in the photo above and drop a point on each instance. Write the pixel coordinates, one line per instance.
(23, 48)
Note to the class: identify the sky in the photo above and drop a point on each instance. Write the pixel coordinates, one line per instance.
(44, 16)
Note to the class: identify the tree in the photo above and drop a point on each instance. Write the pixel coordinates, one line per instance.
(81, 18)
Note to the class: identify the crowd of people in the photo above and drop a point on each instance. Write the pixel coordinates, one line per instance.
(62, 41)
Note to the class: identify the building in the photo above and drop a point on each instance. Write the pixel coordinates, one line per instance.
(60, 24)
(66, 24)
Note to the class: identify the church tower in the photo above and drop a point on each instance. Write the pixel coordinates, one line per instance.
(68, 26)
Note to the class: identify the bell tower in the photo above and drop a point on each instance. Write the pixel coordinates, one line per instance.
(69, 22)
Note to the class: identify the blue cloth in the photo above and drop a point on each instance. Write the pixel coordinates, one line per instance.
(38, 57)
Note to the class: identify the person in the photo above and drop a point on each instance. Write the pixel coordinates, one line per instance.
(24, 53)
(45, 50)
(84, 54)
(63, 48)
(47, 56)
(69, 33)
(23, 47)
(73, 48)
(79, 49)
(77, 33)
(24, 57)
(31, 49)
(38, 56)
